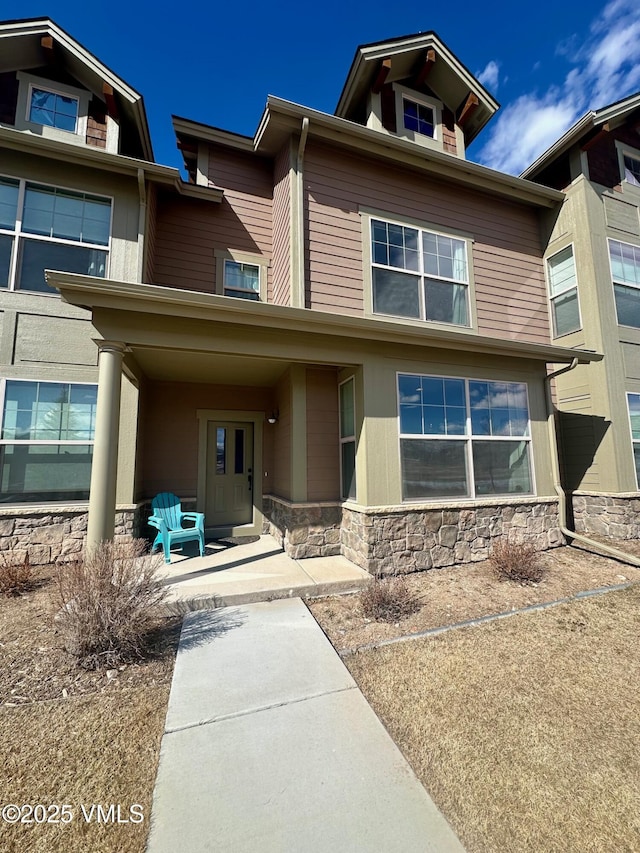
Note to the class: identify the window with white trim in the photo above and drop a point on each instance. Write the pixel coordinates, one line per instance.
(631, 169)
(633, 402)
(347, 440)
(53, 109)
(419, 274)
(46, 443)
(242, 280)
(463, 438)
(563, 292)
(44, 227)
(625, 272)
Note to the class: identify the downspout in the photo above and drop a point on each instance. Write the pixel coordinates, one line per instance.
(562, 497)
(142, 223)
(297, 291)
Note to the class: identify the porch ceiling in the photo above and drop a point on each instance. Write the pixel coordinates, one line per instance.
(212, 368)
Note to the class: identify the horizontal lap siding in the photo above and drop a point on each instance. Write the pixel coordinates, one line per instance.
(189, 231)
(281, 275)
(323, 467)
(507, 265)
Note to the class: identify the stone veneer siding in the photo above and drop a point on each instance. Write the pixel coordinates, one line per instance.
(303, 530)
(48, 535)
(617, 516)
(385, 540)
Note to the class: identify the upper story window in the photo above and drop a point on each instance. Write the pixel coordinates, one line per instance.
(418, 118)
(419, 274)
(53, 109)
(463, 437)
(632, 169)
(625, 271)
(242, 280)
(43, 227)
(563, 292)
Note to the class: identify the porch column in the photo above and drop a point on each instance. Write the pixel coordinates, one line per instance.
(102, 496)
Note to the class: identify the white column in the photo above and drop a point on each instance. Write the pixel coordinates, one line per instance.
(102, 496)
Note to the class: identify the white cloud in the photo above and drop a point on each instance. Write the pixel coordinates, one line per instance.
(489, 77)
(606, 68)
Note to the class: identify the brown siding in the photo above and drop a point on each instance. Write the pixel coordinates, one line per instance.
(97, 124)
(449, 131)
(8, 97)
(281, 230)
(507, 256)
(148, 274)
(602, 156)
(169, 430)
(388, 108)
(189, 231)
(323, 467)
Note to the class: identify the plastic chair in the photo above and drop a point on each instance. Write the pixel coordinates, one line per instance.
(167, 518)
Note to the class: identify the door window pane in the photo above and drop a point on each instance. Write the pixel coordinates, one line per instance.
(221, 450)
(239, 452)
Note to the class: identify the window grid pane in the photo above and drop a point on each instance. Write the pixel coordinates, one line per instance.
(632, 169)
(436, 445)
(53, 110)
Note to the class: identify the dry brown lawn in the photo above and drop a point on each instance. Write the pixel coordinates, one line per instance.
(524, 730)
(76, 737)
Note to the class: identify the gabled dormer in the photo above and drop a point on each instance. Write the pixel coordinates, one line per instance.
(413, 87)
(52, 87)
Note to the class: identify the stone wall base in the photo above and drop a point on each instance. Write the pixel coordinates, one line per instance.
(617, 516)
(405, 539)
(49, 536)
(303, 530)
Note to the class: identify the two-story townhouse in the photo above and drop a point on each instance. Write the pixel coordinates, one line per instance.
(350, 347)
(76, 180)
(593, 274)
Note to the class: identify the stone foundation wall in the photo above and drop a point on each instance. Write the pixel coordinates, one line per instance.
(410, 539)
(48, 536)
(617, 516)
(303, 530)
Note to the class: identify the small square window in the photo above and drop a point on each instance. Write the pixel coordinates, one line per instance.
(53, 110)
(418, 117)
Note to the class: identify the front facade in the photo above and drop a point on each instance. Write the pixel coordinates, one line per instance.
(337, 330)
(593, 269)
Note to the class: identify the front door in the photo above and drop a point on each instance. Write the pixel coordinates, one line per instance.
(229, 491)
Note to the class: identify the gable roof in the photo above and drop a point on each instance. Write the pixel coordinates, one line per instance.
(593, 122)
(405, 56)
(22, 47)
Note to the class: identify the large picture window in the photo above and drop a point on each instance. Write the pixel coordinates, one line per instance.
(419, 274)
(463, 437)
(43, 227)
(563, 292)
(625, 271)
(46, 443)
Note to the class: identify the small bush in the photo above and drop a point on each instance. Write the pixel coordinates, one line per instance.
(107, 599)
(516, 561)
(16, 575)
(389, 599)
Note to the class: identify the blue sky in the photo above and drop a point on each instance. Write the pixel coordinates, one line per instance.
(216, 63)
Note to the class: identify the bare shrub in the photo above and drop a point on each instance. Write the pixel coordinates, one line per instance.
(108, 597)
(389, 599)
(516, 561)
(16, 574)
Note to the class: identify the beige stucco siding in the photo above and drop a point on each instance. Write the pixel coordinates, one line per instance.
(189, 232)
(281, 279)
(323, 469)
(506, 252)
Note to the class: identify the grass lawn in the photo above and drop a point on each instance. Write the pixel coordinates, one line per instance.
(525, 731)
(76, 737)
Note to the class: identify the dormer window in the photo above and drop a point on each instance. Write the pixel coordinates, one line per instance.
(53, 109)
(632, 169)
(418, 118)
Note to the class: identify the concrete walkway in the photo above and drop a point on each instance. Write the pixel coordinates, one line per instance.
(270, 747)
(253, 571)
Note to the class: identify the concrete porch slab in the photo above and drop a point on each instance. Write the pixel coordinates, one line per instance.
(252, 572)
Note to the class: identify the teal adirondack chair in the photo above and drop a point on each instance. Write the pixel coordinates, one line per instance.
(167, 518)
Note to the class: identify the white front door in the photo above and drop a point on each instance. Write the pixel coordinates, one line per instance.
(229, 476)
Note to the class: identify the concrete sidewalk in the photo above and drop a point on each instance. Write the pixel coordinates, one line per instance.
(270, 746)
